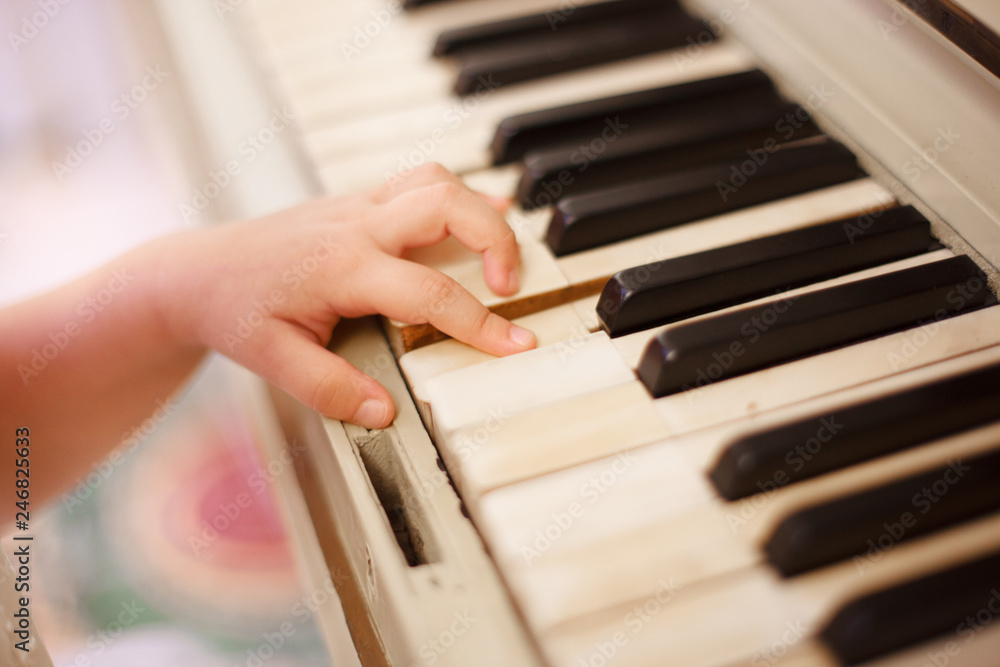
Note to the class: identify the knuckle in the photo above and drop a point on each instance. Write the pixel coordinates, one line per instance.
(329, 395)
(481, 322)
(434, 171)
(444, 195)
(440, 292)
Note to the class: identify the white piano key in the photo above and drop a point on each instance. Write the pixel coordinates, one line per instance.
(406, 33)
(711, 540)
(669, 476)
(485, 458)
(422, 365)
(496, 181)
(509, 376)
(470, 121)
(737, 617)
(487, 393)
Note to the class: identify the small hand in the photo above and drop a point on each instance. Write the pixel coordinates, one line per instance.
(303, 269)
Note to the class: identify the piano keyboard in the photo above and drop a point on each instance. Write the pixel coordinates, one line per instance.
(759, 426)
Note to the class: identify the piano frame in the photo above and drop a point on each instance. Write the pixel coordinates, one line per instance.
(402, 614)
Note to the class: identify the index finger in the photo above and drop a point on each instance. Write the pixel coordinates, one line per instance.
(414, 293)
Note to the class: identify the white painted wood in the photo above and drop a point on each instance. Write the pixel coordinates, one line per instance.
(895, 92)
(411, 606)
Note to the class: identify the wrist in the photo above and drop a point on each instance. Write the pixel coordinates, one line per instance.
(167, 270)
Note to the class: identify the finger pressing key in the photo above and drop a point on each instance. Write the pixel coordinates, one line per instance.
(416, 294)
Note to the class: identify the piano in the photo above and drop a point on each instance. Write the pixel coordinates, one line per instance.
(759, 248)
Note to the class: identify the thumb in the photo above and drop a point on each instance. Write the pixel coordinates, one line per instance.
(318, 378)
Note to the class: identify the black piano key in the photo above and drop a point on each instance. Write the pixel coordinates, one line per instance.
(516, 135)
(567, 17)
(628, 151)
(694, 354)
(662, 292)
(559, 51)
(599, 217)
(952, 600)
(878, 519)
(769, 459)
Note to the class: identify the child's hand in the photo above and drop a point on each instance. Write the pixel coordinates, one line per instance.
(268, 293)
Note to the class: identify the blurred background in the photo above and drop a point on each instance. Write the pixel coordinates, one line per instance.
(178, 552)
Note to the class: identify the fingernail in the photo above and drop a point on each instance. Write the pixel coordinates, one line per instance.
(521, 337)
(512, 280)
(372, 413)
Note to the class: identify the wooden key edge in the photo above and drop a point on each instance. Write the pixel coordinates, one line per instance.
(405, 337)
